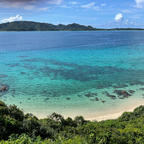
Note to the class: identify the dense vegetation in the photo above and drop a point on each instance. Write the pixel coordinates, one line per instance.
(37, 26)
(19, 128)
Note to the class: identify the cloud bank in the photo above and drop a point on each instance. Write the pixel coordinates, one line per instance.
(21, 3)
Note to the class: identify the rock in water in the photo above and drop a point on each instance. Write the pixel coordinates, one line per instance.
(122, 93)
(4, 88)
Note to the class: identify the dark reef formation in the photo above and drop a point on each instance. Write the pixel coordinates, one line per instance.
(85, 77)
(3, 89)
(122, 94)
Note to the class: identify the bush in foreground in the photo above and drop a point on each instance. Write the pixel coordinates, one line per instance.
(18, 128)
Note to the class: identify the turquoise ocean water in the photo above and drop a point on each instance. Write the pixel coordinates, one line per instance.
(72, 73)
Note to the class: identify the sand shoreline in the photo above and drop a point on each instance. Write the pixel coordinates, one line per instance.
(101, 117)
(108, 116)
(112, 116)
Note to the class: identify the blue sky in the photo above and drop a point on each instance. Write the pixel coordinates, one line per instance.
(98, 13)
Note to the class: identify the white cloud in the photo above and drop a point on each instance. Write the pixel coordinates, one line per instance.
(73, 2)
(33, 7)
(43, 9)
(11, 19)
(89, 5)
(57, 2)
(126, 11)
(118, 17)
(139, 3)
(103, 4)
(96, 8)
(64, 6)
(123, 24)
(29, 7)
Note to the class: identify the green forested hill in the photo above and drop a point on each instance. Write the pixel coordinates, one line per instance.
(19, 128)
(36, 26)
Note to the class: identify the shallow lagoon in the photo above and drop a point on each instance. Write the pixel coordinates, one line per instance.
(73, 73)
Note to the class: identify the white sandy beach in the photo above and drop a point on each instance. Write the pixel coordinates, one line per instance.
(113, 114)
(129, 108)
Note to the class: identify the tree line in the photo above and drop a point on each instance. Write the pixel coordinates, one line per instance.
(19, 128)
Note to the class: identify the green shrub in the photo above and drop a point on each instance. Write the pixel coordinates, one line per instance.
(17, 128)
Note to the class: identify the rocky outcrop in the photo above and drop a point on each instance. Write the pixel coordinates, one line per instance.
(109, 95)
(122, 94)
(4, 88)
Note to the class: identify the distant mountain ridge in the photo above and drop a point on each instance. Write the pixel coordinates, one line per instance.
(37, 26)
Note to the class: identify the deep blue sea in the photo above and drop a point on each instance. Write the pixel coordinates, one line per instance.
(73, 73)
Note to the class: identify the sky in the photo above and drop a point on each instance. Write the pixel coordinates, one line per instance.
(97, 13)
